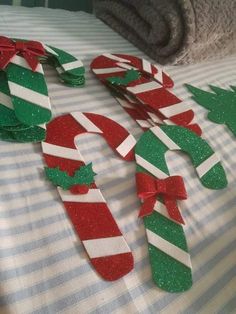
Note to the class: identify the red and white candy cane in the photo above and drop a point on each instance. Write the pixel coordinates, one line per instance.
(150, 90)
(106, 247)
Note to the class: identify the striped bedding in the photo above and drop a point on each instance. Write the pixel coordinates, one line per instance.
(43, 267)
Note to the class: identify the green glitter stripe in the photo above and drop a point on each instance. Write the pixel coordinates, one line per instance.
(169, 274)
(27, 78)
(173, 232)
(7, 117)
(3, 84)
(33, 134)
(30, 113)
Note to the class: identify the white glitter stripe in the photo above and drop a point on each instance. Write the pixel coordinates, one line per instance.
(207, 164)
(154, 117)
(150, 167)
(126, 146)
(18, 60)
(124, 103)
(72, 65)
(60, 151)
(161, 208)
(174, 109)
(147, 66)
(126, 66)
(108, 70)
(144, 123)
(165, 139)
(106, 246)
(169, 248)
(113, 57)
(93, 196)
(49, 50)
(145, 87)
(29, 95)
(85, 122)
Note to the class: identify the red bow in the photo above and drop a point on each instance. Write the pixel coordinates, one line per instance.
(29, 50)
(171, 189)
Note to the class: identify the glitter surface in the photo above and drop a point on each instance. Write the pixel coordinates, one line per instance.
(84, 175)
(24, 95)
(221, 104)
(196, 148)
(168, 271)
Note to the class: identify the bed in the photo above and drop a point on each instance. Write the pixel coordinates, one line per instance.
(43, 267)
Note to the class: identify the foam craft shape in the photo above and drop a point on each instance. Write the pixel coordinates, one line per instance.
(130, 76)
(89, 213)
(83, 177)
(169, 257)
(150, 91)
(221, 104)
(24, 96)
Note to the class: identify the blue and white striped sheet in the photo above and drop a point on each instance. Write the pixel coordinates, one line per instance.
(43, 267)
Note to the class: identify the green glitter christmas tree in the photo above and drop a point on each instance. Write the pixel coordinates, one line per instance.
(221, 104)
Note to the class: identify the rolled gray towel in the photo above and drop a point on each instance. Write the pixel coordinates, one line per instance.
(174, 31)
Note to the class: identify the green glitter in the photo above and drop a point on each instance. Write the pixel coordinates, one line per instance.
(197, 149)
(130, 76)
(168, 273)
(221, 104)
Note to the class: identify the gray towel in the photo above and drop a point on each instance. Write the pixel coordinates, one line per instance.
(174, 31)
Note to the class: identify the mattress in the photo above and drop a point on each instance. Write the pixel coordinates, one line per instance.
(43, 266)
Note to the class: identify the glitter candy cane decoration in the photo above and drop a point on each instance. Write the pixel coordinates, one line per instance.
(150, 90)
(159, 193)
(106, 247)
(25, 104)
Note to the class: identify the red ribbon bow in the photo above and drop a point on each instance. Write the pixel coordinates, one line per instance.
(29, 50)
(171, 189)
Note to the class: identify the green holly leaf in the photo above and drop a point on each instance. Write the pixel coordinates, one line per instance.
(83, 176)
(130, 76)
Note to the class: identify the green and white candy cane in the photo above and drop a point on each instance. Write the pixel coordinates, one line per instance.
(28, 88)
(11, 129)
(70, 69)
(168, 251)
